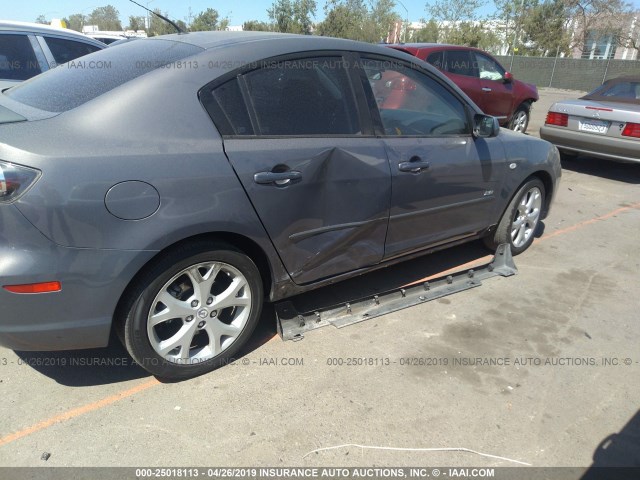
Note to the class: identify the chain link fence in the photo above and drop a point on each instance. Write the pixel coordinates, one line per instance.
(569, 73)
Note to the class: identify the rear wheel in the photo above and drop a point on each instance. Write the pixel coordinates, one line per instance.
(520, 119)
(193, 310)
(521, 219)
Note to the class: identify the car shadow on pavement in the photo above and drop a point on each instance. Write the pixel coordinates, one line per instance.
(618, 171)
(618, 453)
(85, 368)
(102, 366)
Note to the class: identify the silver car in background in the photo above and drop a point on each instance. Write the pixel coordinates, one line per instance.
(604, 124)
(28, 49)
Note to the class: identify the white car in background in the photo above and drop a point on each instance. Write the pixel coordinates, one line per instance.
(27, 49)
(106, 38)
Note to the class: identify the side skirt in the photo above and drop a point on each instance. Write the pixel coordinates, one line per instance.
(292, 325)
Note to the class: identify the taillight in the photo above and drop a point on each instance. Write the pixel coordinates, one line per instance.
(15, 180)
(557, 119)
(631, 130)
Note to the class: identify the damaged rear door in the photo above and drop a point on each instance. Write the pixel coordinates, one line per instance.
(317, 177)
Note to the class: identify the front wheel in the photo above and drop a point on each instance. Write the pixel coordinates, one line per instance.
(520, 119)
(192, 311)
(521, 219)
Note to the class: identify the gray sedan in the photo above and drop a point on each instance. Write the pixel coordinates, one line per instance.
(604, 124)
(169, 188)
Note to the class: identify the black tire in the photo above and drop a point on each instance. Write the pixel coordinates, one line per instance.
(520, 118)
(503, 232)
(566, 155)
(145, 295)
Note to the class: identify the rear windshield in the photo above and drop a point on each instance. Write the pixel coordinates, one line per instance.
(78, 81)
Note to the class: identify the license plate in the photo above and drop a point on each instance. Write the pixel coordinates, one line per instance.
(593, 126)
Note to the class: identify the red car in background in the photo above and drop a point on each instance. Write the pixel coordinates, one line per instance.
(482, 78)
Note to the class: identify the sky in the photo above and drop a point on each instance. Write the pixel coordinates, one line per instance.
(238, 11)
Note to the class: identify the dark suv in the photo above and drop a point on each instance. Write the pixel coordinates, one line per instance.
(481, 77)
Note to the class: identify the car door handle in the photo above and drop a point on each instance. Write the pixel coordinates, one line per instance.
(279, 178)
(486, 89)
(415, 165)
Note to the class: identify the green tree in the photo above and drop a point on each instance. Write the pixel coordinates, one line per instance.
(509, 15)
(281, 14)
(344, 19)
(429, 33)
(183, 26)
(474, 34)
(380, 19)
(303, 12)
(208, 20)
(42, 20)
(454, 10)
(598, 19)
(456, 19)
(543, 29)
(136, 23)
(75, 22)
(256, 26)
(158, 26)
(292, 16)
(106, 18)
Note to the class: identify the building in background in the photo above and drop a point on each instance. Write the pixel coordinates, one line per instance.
(601, 43)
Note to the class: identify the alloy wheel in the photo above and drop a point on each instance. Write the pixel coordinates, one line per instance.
(199, 313)
(526, 217)
(520, 121)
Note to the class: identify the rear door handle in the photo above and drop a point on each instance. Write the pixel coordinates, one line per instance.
(414, 165)
(486, 89)
(279, 178)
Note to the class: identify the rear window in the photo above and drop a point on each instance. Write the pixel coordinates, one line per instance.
(83, 79)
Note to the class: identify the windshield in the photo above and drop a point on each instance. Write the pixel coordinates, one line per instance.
(76, 82)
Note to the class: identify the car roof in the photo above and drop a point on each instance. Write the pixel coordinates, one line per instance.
(37, 28)
(278, 41)
(432, 46)
(625, 78)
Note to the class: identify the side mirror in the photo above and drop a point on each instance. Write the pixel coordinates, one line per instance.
(508, 77)
(485, 126)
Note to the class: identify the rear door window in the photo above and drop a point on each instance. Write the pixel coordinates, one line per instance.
(17, 59)
(436, 59)
(228, 110)
(311, 96)
(459, 62)
(64, 50)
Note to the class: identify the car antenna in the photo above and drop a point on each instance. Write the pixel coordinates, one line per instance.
(175, 25)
